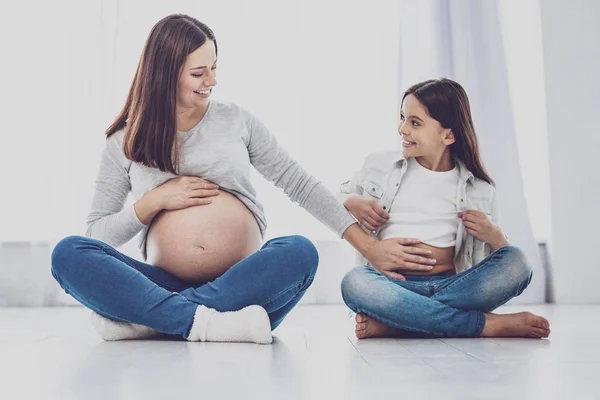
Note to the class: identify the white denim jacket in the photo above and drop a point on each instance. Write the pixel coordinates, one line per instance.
(380, 177)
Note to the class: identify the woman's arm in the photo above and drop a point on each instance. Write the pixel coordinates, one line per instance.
(108, 220)
(276, 165)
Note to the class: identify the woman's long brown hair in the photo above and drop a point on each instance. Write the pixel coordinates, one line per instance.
(446, 101)
(149, 116)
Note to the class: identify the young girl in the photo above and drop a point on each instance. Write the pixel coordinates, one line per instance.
(459, 267)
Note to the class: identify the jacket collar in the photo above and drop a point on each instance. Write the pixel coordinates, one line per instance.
(465, 174)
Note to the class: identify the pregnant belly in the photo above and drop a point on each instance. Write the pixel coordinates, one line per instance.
(198, 244)
(444, 257)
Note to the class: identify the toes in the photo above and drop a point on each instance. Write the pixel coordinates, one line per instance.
(540, 332)
(361, 334)
(361, 318)
(545, 323)
(541, 322)
(362, 323)
(546, 333)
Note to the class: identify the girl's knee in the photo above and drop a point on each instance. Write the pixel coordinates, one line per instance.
(517, 267)
(355, 287)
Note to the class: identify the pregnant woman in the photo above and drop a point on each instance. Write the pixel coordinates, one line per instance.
(186, 159)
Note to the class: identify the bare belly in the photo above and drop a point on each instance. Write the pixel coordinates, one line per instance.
(444, 260)
(200, 243)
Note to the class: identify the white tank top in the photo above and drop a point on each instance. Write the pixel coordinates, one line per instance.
(425, 207)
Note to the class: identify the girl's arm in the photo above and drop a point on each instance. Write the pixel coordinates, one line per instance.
(502, 240)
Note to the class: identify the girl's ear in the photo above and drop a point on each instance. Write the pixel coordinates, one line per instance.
(448, 137)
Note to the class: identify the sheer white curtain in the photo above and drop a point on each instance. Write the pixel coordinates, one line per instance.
(462, 40)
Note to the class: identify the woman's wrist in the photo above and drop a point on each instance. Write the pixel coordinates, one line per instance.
(350, 201)
(359, 239)
(147, 207)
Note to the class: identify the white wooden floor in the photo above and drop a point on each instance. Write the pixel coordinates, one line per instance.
(55, 354)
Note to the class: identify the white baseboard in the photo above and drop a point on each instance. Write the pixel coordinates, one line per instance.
(26, 280)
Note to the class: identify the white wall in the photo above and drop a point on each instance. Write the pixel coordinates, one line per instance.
(322, 76)
(571, 37)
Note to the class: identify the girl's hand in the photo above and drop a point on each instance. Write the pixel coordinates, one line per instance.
(367, 212)
(478, 225)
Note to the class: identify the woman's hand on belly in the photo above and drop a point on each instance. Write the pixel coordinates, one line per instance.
(185, 191)
(392, 257)
(444, 260)
(175, 194)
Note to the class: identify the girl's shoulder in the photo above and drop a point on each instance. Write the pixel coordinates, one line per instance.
(482, 188)
(383, 160)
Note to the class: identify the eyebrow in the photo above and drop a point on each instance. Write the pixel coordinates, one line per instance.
(204, 66)
(413, 116)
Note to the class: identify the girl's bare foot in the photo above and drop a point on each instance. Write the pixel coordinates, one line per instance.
(367, 327)
(524, 324)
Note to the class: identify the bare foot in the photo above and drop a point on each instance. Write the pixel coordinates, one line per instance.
(367, 327)
(524, 324)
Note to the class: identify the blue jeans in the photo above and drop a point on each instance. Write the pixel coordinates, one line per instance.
(443, 305)
(124, 289)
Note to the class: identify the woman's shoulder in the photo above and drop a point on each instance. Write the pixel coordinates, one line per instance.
(115, 141)
(114, 147)
(227, 109)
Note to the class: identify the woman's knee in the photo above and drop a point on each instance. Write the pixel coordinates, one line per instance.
(302, 254)
(65, 252)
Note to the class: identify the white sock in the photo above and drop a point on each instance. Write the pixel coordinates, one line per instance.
(109, 329)
(250, 325)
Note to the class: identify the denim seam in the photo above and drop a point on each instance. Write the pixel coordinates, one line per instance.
(391, 323)
(76, 296)
(298, 285)
(160, 284)
(481, 318)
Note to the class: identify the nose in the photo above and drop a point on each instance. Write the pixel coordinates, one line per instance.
(402, 129)
(211, 79)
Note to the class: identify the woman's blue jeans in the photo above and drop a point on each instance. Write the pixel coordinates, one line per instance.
(124, 289)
